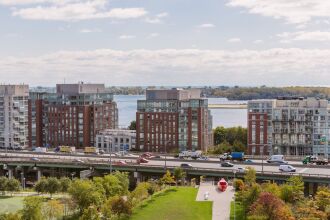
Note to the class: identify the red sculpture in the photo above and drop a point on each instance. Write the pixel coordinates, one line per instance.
(222, 185)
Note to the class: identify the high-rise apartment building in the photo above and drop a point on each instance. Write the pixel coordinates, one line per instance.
(71, 116)
(289, 126)
(174, 119)
(14, 116)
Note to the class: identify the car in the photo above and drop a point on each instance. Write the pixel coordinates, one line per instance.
(35, 159)
(248, 161)
(241, 169)
(142, 160)
(122, 162)
(287, 168)
(203, 158)
(186, 165)
(78, 161)
(227, 164)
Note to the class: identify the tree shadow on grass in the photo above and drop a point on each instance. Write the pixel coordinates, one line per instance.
(154, 197)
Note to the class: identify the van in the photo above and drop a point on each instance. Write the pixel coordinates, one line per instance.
(276, 159)
(287, 168)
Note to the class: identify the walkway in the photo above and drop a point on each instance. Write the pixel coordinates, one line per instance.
(221, 200)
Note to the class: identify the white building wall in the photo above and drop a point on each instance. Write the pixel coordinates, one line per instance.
(117, 140)
(14, 116)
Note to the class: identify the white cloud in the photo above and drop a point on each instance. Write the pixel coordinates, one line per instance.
(153, 35)
(293, 11)
(234, 40)
(206, 25)
(162, 15)
(157, 19)
(287, 37)
(258, 41)
(72, 10)
(160, 67)
(126, 37)
(86, 30)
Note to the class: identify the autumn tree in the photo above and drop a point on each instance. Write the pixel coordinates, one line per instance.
(322, 198)
(117, 206)
(167, 178)
(53, 209)
(270, 207)
(90, 213)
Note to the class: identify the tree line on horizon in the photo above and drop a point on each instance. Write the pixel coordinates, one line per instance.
(237, 92)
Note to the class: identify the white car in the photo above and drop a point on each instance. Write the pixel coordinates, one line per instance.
(241, 169)
(287, 168)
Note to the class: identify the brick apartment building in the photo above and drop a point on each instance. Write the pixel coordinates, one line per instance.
(174, 119)
(71, 116)
(289, 126)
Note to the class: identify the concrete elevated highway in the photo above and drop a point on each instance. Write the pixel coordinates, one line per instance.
(20, 165)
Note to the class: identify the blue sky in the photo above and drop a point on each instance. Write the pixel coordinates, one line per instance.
(165, 42)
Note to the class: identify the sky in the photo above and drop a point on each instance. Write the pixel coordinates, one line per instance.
(165, 42)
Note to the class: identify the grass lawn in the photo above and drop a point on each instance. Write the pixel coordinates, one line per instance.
(174, 204)
(240, 215)
(10, 204)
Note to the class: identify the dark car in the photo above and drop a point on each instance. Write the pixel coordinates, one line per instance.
(186, 165)
(227, 164)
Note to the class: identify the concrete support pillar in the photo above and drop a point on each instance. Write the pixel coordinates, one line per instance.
(10, 173)
(137, 176)
(39, 174)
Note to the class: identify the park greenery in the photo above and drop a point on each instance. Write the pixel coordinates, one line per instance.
(106, 198)
(270, 201)
(229, 140)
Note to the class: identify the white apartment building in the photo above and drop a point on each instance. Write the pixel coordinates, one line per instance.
(14, 116)
(116, 140)
(292, 126)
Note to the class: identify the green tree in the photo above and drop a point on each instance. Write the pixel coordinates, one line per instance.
(85, 193)
(32, 208)
(238, 146)
(250, 176)
(3, 184)
(13, 185)
(53, 186)
(65, 184)
(110, 184)
(132, 126)
(123, 181)
(41, 185)
(179, 174)
(293, 190)
(140, 193)
(167, 178)
(219, 135)
(90, 213)
(271, 188)
(224, 147)
(53, 209)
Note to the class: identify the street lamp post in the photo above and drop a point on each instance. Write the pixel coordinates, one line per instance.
(234, 171)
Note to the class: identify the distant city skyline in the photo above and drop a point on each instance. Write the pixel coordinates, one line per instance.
(165, 42)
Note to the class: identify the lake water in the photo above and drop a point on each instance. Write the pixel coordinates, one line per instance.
(225, 117)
